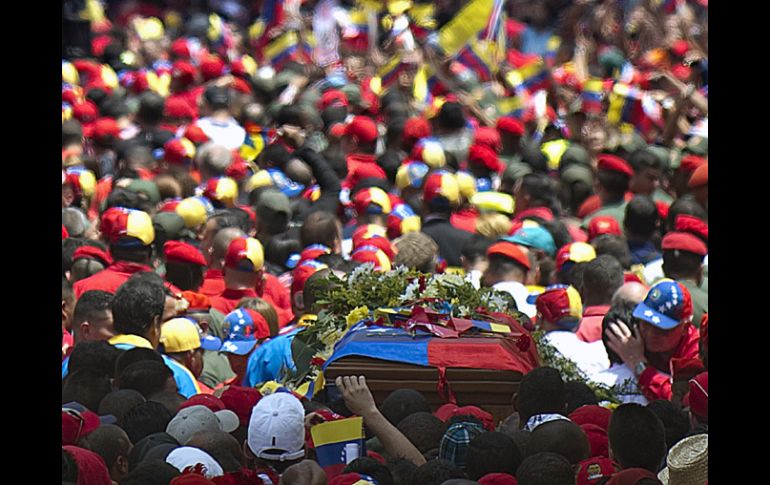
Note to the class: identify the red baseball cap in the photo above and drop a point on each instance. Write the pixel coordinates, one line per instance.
(372, 200)
(241, 401)
(303, 272)
(690, 162)
(180, 48)
(379, 242)
(179, 151)
(363, 128)
(416, 128)
(603, 225)
(576, 252)
(484, 156)
(488, 137)
(614, 164)
(367, 231)
(449, 410)
(184, 72)
(245, 254)
(699, 177)
(333, 97)
(105, 128)
(208, 400)
(176, 107)
(212, 67)
(85, 112)
(698, 396)
(75, 424)
(180, 252)
(594, 469)
(684, 241)
(511, 125)
(510, 251)
(92, 252)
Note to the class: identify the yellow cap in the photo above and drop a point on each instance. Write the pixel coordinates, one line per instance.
(179, 335)
(467, 184)
(493, 201)
(259, 179)
(192, 211)
(69, 74)
(149, 28)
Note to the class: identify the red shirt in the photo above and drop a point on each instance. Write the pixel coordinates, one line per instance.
(213, 283)
(361, 166)
(590, 329)
(112, 277)
(465, 219)
(278, 296)
(228, 300)
(654, 382)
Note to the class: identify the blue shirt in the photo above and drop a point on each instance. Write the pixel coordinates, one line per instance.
(535, 41)
(267, 362)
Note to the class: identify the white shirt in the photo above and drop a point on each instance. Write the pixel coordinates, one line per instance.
(229, 133)
(589, 357)
(520, 294)
(616, 376)
(653, 271)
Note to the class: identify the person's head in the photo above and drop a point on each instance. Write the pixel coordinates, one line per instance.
(219, 245)
(371, 467)
(615, 246)
(683, 206)
(450, 118)
(113, 445)
(147, 378)
(75, 221)
(612, 178)
(683, 256)
(665, 316)
(637, 437)
(181, 340)
(601, 278)
(171, 399)
(221, 446)
(676, 423)
(641, 218)
(244, 263)
(273, 214)
(423, 430)
(562, 437)
(216, 222)
(321, 227)
(647, 172)
(492, 452)
(145, 419)
(119, 403)
(92, 318)
(579, 394)
(217, 98)
(212, 160)
(435, 472)
(94, 355)
(631, 293)
(306, 472)
(541, 392)
(416, 250)
(276, 432)
(401, 403)
(474, 252)
(360, 136)
(507, 262)
(401, 470)
(545, 468)
(151, 472)
(137, 308)
(86, 386)
(533, 190)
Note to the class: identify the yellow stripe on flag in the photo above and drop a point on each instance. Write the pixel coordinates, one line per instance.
(338, 431)
(280, 44)
(464, 26)
(498, 328)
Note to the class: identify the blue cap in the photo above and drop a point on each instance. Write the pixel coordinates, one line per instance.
(666, 305)
(241, 340)
(287, 186)
(534, 237)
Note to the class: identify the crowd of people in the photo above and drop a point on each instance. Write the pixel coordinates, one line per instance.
(222, 157)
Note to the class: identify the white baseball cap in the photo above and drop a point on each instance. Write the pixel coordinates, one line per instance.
(277, 428)
(187, 456)
(194, 419)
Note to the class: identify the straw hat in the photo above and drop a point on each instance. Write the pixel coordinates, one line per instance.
(687, 462)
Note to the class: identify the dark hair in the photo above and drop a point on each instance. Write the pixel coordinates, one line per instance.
(637, 437)
(541, 391)
(86, 386)
(222, 446)
(401, 470)
(335, 262)
(475, 247)
(401, 403)
(390, 161)
(279, 248)
(333, 114)
(145, 419)
(132, 356)
(71, 132)
(435, 472)
(244, 219)
(97, 355)
(320, 227)
(562, 437)
(185, 276)
(558, 231)
(371, 467)
(540, 189)
(146, 377)
(601, 278)
(171, 399)
(451, 116)
(534, 157)
(423, 430)
(681, 264)
(69, 467)
(579, 394)
(684, 206)
(137, 303)
(150, 108)
(119, 403)
(277, 155)
(223, 219)
(289, 115)
(154, 472)
(621, 310)
(614, 183)
(642, 159)
(545, 468)
(501, 265)
(68, 247)
(109, 442)
(615, 246)
(676, 423)
(122, 197)
(492, 452)
(642, 217)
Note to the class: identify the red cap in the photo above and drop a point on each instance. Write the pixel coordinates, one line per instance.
(449, 410)
(92, 252)
(603, 225)
(484, 156)
(195, 134)
(177, 152)
(212, 67)
(85, 112)
(303, 272)
(197, 301)
(693, 225)
(511, 125)
(180, 49)
(98, 44)
(488, 137)
(367, 231)
(337, 130)
(372, 200)
(690, 162)
(497, 479)
(597, 439)
(663, 209)
(245, 254)
(630, 476)
(379, 242)
(177, 107)
(684, 241)
(614, 164)
(76, 424)
(241, 401)
(103, 128)
(594, 469)
(64, 233)
(592, 414)
(698, 396)
(184, 72)
(333, 97)
(241, 86)
(699, 177)
(364, 129)
(212, 402)
(416, 128)
(680, 48)
(238, 168)
(511, 251)
(179, 252)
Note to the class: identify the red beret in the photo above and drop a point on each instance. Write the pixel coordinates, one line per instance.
(690, 162)
(176, 107)
(92, 252)
(64, 233)
(85, 112)
(591, 414)
(631, 476)
(614, 164)
(180, 49)
(416, 128)
(183, 71)
(363, 128)
(511, 125)
(497, 479)
(693, 225)
(90, 68)
(98, 44)
(597, 439)
(698, 397)
(488, 137)
(103, 128)
(179, 252)
(333, 97)
(684, 241)
(603, 225)
(699, 177)
(212, 402)
(195, 134)
(212, 67)
(484, 156)
(510, 251)
(241, 86)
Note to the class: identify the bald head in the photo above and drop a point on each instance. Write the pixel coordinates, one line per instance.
(631, 292)
(562, 437)
(221, 446)
(213, 159)
(306, 472)
(222, 240)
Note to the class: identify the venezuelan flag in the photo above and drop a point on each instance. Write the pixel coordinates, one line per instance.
(592, 95)
(530, 77)
(625, 104)
(421, 89)
(332, 440)
(422, 19)
(466, 25)
(491, 326)
(281, 49)
(388, 73)
(477, 57)
(253, 144)
(494, 23)
(552, 48)
(511, 106)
